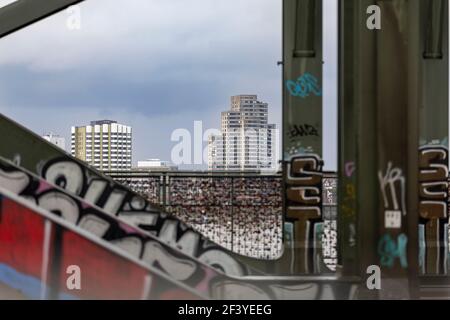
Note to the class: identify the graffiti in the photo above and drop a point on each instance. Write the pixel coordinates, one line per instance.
(349, 195)
(422, 250)
(327, 236)
(347, 207)
(350, 168)
(388, 186)
(348, 203)
(392, 185)
(392, 219)
(180, 269)
(389, 250)
(118, 201)
(304, 193)
(304, 130)
(28, 264)
(329, 244)
(135, 245)
(329, 195)
(155, 252)
(433, 207)
(352, 235)
(16, 181)
(304, 86)
(134, 242)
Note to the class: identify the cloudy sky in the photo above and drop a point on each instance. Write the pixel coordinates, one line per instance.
(156, 65)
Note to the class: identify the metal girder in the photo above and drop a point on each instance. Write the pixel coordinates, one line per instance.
(376, 110)
(22, 13)
(433, 138)
(393, 126)
(302, 152)
(347, 125)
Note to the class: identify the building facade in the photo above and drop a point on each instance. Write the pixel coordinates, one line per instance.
(247, 141)
(155, 165)
(105, 145)
(56, 140)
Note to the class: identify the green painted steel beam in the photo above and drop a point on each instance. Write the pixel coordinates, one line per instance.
(433, 138)
(347, 126)
(302, 153)
(393, 128)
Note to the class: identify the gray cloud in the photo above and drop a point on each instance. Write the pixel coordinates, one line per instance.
(157, 65)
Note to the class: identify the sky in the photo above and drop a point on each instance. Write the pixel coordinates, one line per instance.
(156, 65)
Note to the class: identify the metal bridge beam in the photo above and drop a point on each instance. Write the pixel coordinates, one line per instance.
(302, 137)
(393, 100)
(22, 13)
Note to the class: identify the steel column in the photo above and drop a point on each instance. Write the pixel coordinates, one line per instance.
(302, 112)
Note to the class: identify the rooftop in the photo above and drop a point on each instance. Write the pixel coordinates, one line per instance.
(102, 122)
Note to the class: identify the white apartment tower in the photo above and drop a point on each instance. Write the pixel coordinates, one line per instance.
(105, 145)
(56, 140)
(247, 141)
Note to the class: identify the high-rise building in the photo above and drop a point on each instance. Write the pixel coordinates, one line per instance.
(56, 140)
(105, 144)
(247, 141)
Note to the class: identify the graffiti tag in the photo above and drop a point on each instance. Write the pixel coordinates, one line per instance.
(304, 130)
(389, 250)
(304, 195)
(350, 168)
(433, 207)
(304, 86)
(389, 183)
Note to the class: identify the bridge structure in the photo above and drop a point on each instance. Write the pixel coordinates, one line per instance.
(392, 209)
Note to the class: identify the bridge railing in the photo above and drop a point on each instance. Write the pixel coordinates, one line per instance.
(240, 211)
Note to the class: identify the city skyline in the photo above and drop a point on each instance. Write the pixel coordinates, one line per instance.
(158, 74)
(152, 74)
(82, 144)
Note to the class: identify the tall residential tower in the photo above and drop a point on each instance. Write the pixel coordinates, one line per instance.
(247, 141)
(105, 145)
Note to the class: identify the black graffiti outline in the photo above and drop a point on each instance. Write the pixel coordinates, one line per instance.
(203, 245)
(115, 232)
(302, 130)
